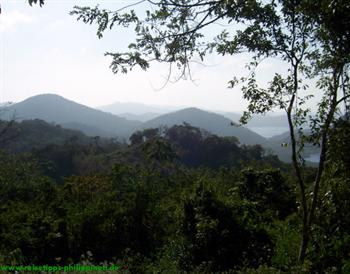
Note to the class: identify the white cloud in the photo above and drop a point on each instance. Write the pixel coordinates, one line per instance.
(10, 20)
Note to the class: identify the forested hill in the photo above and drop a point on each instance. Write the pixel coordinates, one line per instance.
(63, 152)
(28, 135)
(212, 122)
(54, 108)
(58, 110)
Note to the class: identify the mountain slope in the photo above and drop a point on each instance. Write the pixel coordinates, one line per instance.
(209, 121)
(260, 120)
(281, 145)
(54, 108)
(136, 108)
(144, 117)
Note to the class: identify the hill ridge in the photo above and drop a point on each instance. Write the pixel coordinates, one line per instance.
(55, 108)
(210, 121)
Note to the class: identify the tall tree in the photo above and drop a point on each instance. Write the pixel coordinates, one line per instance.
(312, 46)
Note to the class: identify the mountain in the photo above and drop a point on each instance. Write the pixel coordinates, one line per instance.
(209, 121)
(144, 117)
(136, 108)
(56, 109)
(267, 125)
(261, 120)
(269, 121)
(88, 130)
(281, 145)
(284, 137)
(5, 104)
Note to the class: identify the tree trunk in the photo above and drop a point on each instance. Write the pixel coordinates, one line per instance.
(304, 243)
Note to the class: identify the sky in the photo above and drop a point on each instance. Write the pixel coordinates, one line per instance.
(45, 50)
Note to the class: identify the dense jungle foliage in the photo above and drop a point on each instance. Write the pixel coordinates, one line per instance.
(173, 200)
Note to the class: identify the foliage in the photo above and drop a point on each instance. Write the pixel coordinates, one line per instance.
(333, 239)
(153, 214)
(197, 148)
(24, 136)
(31, 223)
(270, 191)
(214, 234)
(40, 2)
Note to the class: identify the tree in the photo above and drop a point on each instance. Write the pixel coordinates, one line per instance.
(334, 224)
(314, 45)
(269, 191)
(215, 233)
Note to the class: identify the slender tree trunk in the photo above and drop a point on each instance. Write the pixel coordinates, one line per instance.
(308, 219)
(324, 148)
(305, 227)
(305, 224)
(304, 242)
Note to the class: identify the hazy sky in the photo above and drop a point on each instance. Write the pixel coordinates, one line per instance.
(45, 50)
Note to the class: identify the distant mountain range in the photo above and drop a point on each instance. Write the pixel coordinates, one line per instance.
(143, 113)
(209, 121)
(56, 109)
(260, 121)
(284, 152)
(144, 117)
(136, 108)
(137, 111)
